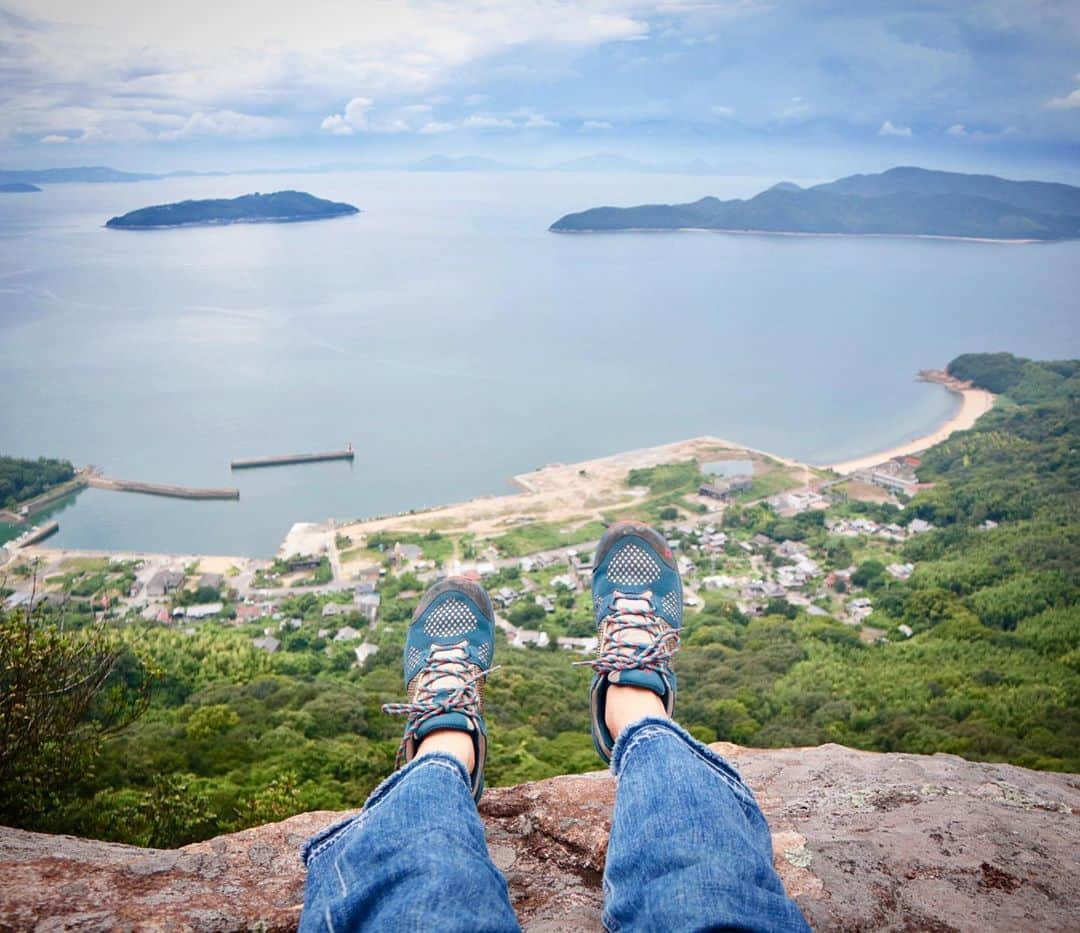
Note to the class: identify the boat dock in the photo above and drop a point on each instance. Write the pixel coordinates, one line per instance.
(162, 489)
(288, 459)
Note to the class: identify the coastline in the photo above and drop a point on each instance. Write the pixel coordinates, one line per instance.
(973, 404)
(574, 493)
(1007, 241)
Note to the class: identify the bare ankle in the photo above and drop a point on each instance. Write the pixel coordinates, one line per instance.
(450, 742)
(625, 705)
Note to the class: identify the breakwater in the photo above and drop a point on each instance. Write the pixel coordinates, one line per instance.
(288, 459)
(34, 535)
(162, 489)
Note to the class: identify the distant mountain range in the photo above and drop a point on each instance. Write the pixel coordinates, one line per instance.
(902, 201)
(17, 187)
(279, 207)
(83, 173)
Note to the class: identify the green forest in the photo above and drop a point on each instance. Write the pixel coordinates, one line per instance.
(194, 733)
(24, 479)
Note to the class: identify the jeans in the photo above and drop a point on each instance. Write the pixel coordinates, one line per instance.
(689, 850)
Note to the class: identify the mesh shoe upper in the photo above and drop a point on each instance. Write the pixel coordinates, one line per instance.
(638, 601)
(448, 653)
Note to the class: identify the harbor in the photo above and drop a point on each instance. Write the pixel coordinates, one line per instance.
(291, 459)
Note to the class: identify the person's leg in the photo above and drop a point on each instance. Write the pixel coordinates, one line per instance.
(415, 857)
(689, 847)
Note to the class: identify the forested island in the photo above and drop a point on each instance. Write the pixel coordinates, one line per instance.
(278, 207)
(900, 202)
(18, 187)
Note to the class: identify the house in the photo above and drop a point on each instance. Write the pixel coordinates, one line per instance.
(760, 540)
(900, 571)
(368, 606)
(546, 603)
(718, 583)
(686, 566)
(505, 596)
(584, 645)
(347, 633)
(792, 549)
(204, 610)
(267, 643)
(164, 582)
(527, 636)
(815, 611)
(336, 609)
(906, 630)
(302, 562)
(289, 623)
(988, 525)
(364, 651)
(917, 526)
(211, 581)
(407, 552)
(364, 586)
(565, 581)
(723, 488)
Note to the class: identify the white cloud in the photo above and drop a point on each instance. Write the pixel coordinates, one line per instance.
(957, 129)
(353, 119)
(436, 126)
(225, 123)
(1068, 102)
(796, 110)
(537, 121)
(722, 111)
(54, 139)
(888, 128)
(601, 125)
(114, 58)
(337, 125)
(486, 121)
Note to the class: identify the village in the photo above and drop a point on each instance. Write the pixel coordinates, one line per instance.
(810, 547)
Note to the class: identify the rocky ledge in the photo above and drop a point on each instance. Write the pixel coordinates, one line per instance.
(863, 841)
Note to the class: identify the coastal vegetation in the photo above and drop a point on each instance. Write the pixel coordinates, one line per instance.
(279, 207)
(902, 201)
(972, 647)
(22, 479)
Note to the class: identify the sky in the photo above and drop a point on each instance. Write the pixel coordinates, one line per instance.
(728, 83)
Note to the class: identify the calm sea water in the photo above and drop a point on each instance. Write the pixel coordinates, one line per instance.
(456, 342)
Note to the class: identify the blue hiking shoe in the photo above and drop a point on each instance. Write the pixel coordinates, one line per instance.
(448, 655)
(638, 601)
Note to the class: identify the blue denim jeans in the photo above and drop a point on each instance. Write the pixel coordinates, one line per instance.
(689, 850)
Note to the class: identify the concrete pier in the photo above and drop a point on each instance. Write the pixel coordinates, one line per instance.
(162, 489)
(288, 459)
(34, 535)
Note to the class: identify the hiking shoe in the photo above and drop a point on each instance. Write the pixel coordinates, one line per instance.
(447, 658)
(638, 601)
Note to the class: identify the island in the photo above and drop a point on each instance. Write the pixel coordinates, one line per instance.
(18, 187)
(905, 201)
(278, 207)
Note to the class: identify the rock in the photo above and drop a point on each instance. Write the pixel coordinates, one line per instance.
(863, 841)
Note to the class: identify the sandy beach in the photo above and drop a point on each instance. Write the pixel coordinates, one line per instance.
(974, 403)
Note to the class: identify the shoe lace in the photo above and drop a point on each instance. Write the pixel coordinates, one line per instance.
(428, 701)
(634, 613)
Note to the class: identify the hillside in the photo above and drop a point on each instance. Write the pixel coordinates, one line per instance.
(950, 625)
(862, 841)
(901, 201)
(279, 207)
(18, 187)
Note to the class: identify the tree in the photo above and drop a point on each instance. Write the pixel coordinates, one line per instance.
(61, 693)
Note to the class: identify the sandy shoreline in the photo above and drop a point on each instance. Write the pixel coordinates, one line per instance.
(974, 403)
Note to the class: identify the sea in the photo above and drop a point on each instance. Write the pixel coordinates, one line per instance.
(455, 342)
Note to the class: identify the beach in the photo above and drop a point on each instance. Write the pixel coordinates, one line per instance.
(973, 404)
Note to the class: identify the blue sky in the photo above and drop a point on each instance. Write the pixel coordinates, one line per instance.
(207, 83)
